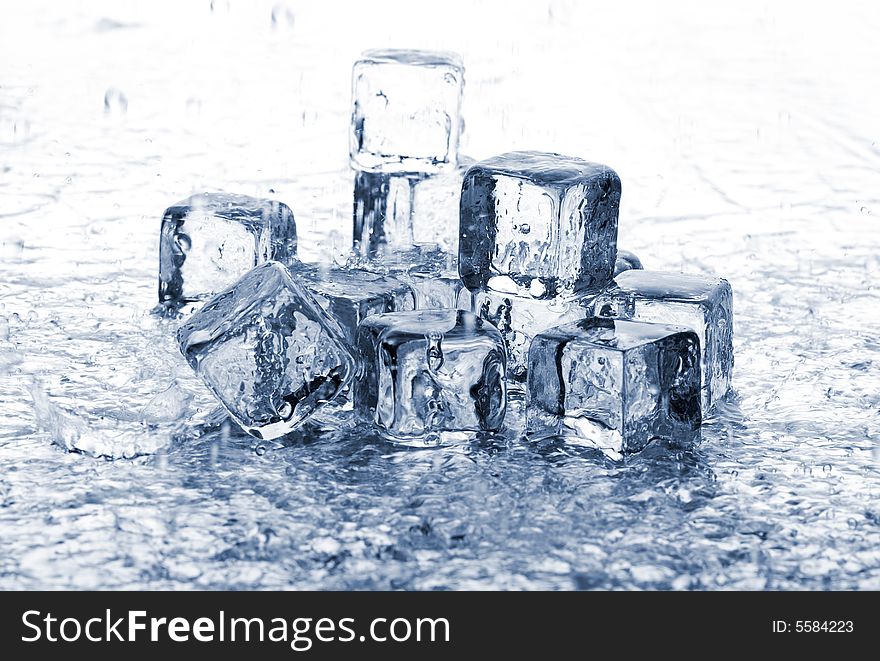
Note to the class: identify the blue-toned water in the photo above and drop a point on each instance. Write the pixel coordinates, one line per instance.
(746, 139)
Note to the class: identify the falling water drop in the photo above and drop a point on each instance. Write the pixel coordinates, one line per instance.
(115, 102)
(435, 352)
(282, 17)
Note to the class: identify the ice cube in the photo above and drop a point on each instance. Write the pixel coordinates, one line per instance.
(547, 223)
(406, 113)
(626, 261)
(398, 211)
(268, 351)
(615, 385)
(701, 303)
(352, 295)
(382, 212)
(430, 272)
(439, 292)
(430, 371)
(520, 318)
(209, 241)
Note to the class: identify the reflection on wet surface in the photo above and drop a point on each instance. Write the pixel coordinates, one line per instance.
(746, 151)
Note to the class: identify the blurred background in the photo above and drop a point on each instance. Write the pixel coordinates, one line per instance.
(746, 137)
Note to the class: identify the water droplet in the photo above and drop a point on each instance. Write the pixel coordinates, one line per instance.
(285, 411)
(183, 242)
(435, 352)
(525, 228)
(193, 106)
(115, 102)
(282, 17)
(260, 450)
(537, 288)
(32, 315)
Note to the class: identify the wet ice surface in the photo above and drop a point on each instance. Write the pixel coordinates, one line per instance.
(748, 151)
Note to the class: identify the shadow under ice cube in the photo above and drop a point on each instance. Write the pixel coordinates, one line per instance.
(268, 351)
(406, 113)
(542, 223)
(615, 385)
(209, 241)
(430, 371)
(702, 303)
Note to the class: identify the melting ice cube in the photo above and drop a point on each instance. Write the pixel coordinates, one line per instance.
(702, 303)
(268, 351)
(615, 385)
(210, 240)
(406, 110)
(430, 371)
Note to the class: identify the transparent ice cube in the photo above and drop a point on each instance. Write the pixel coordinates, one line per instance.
(626, 261)
(209, 241)
(398, 211)
(430, 371)
(546, 222)
(406, 113)
(352, 295)
(268, 351)
(440, 292)
(430, 272)
(519, 319)
(615, 385)
(701, 303)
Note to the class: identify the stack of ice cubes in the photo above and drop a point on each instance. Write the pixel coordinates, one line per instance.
(405, 129)
(470, 282)
(538, 238)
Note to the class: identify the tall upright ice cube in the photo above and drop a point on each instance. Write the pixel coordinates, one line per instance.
(406, 113)
(209, 241)
(382, 212)
(543, 223)
(430, 371)
(701, 303)
(520, 318)
(268, 351)
(352, 295)
(615, 385)
(399, 211)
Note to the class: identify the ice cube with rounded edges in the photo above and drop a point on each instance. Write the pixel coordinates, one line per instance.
(520, 318)
(210, 240)
(268, 350)
(406, 113)
(545, 222)
(615, 385)
(352, 295)
(430, 371)
(702, 303)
